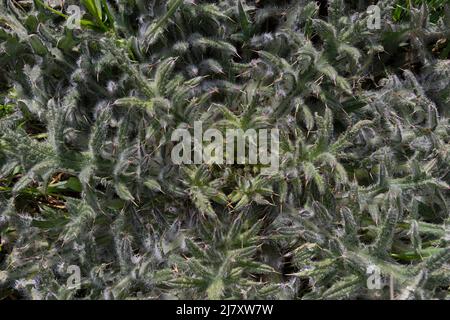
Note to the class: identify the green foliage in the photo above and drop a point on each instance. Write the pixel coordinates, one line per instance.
(436, 8)
(87, 180)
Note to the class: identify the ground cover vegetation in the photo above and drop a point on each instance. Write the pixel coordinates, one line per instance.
(86, 177)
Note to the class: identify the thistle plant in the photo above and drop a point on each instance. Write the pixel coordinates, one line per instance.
(87, 178)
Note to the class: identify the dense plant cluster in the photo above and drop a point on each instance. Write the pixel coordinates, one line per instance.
(85, 142)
